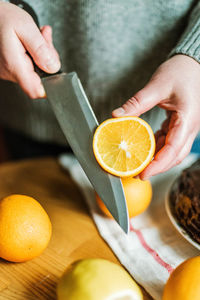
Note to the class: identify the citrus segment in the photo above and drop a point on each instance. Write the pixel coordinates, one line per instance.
(124, 146)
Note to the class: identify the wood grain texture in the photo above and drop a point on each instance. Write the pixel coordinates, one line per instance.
(74, 233)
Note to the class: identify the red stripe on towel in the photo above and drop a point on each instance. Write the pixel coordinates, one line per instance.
(150, 250)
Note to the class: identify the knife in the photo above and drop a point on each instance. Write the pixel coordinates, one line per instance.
(78, 123)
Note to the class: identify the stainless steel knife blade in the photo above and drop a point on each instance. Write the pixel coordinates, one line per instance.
(78, 123)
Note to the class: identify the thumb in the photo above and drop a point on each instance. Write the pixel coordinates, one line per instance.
(142, 101)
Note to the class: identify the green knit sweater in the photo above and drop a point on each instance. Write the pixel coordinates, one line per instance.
(114, 46)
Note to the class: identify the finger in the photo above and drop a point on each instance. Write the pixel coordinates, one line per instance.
(158, 134)
(182, 154)
(47, 34)
(165, 125)
(161, 162)
(160, 143)
(31, 85)
(24, 73)
(46, 31)
(164, 129)
(28, 80)
(44, 55)
(186, 149)
(141, 102)
(174, 142)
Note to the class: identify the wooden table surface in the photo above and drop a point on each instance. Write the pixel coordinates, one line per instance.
(74, 233)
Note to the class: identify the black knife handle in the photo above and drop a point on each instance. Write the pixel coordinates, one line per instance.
(31, 11)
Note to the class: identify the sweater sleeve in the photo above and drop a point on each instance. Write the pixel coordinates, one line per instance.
(189, 43)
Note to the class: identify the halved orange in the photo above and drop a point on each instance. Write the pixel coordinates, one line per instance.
(124, 146)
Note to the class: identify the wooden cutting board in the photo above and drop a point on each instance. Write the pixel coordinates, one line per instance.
(74, 233)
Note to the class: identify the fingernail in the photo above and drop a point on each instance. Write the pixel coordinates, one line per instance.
(119, 112)
(41, 92)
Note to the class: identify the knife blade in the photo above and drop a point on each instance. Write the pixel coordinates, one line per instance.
(78, 123)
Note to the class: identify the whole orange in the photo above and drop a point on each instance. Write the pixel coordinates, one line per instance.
(25, 228)
(138, 194)
(184, 282)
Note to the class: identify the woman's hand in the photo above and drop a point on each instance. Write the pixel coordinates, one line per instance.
(175, 87)
(19, 34)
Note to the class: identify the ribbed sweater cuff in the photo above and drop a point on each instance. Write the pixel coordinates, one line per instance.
(189, 44)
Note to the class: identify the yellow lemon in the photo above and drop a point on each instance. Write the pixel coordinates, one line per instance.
(97, 279)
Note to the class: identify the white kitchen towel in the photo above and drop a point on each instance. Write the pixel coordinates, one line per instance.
(153, 248)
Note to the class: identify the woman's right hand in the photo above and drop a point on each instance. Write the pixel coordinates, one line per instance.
(19, 34)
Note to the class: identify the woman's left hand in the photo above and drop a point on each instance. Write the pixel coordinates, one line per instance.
(175, 87)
